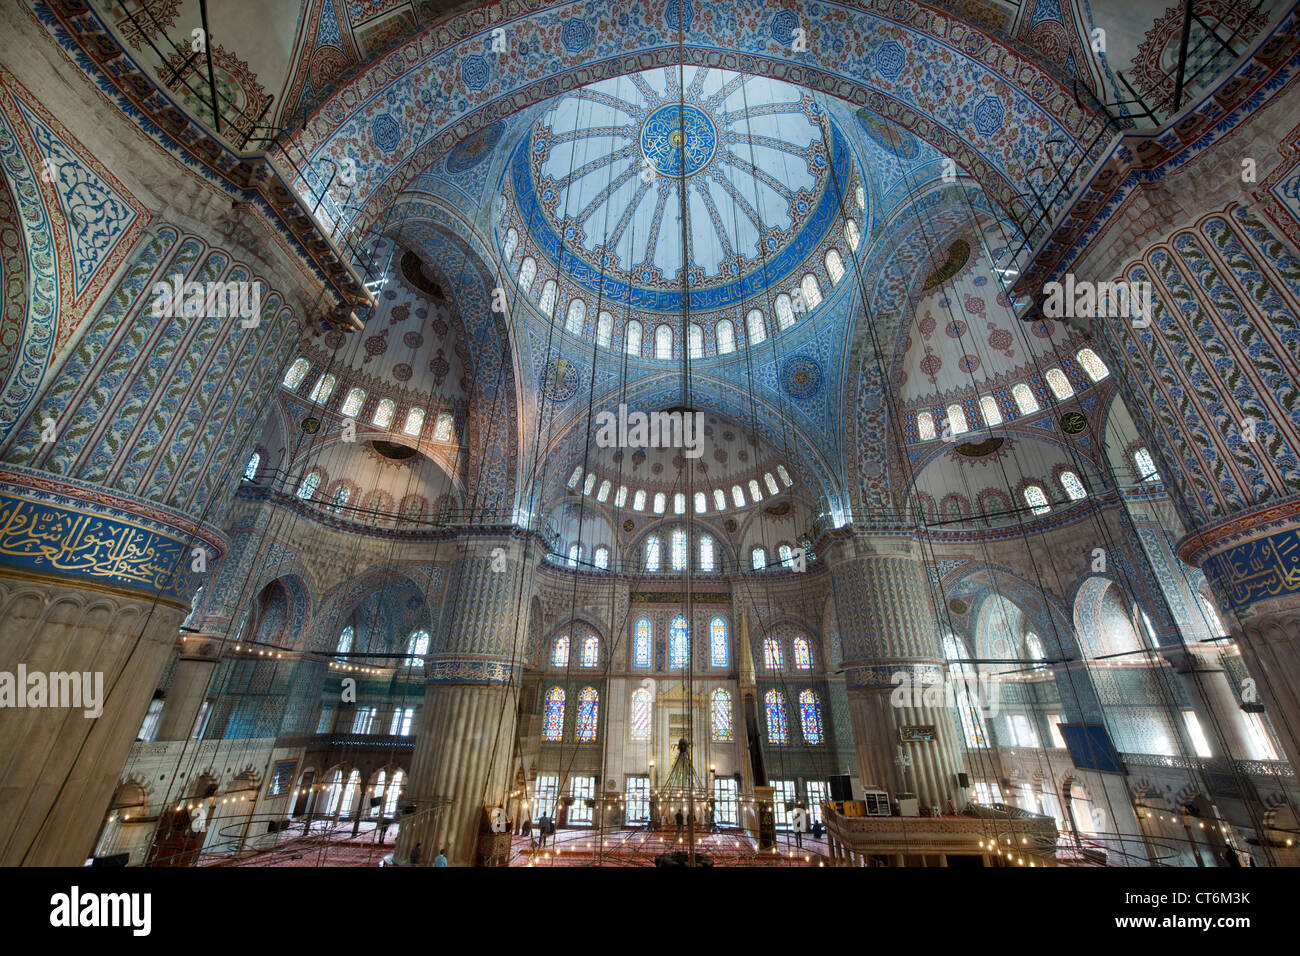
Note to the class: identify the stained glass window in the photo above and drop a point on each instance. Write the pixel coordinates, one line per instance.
(924, 426)
(786, 554)
(738, 496)
(589, 483)
(417, 645)
(575, 477)
(706, 553)
(575, 552)
(414, 422)
(442, 427)
(679, 642)
(383, 416)
(634, 338)
(834, 266)
(603, 494)
(802, 654)
(590, 651)
(679, 503)
(577, 315)
(1145, 465)
(719, 653)
(352, 403)
(1058, 383)
(550, 292)
(588, 707)
(661, 502)
(720, 712)
(784, 476)
(810, 715)
(860, 197)
(652, 553)
(989, 409)
(773, 656)
(1093, 365)
(754, 493)
(778, 728)
(641, 644)
(812, 291)
(755, 327)
(560, 651)
(640, 721)
(345, 640)
(726, 337)
(1034, 645)
(309, 486)
(719, 499)
(323, 390)
(1037, 500)
(602, 558)
(678, 549)
(1073, 486)
(297, 372)
(784, 311)
(508, 247)
(620, 496)
(638, 500)
(771, 483)
(527, 272)
(695, 341)
(957, 419)
(1024, 397)
(553, 714)
(758, 559)
(853, 234)
(663, 342)
(604, 329)
(701, 502)
(250, 470)
(340, 498)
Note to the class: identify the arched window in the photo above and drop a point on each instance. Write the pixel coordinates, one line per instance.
(417, 645)
(1145, 465)
(346, 637)
(604, 329)
(812, 291)
(784, 476)
(652, 553)
(754, 493)
(394, 794)
(720, 715)
(802, 654)
(297, 372)
(701, 502)
(860, 197)
(758, 559)
(719, 650)
(638, 500)
(924, 426)
(560, 651)
(640, 721)
(414, 423)
(575, 477)
(1093, 365)
(1073, 486)
(633, 338)
(810, 716)
(620, 496)
(340, 498)
(589, 484)
(603, 494)
(784, 311)
(961, 674)
(383, 416)
(577, 316)
(726, 333)
(309, 485)
(834, 266)
(778, 728)
(601, 558)
(785, 554)
(1212, 619)
(527, 272)
(957, 420)
(588, 707)
(755, 330)
(575, 553)
(989, 409)
(352, 403)
(254, 462)
(663, 342)
(442, 427)
(719, 499)
(641, 643)
(771, 483)
(738, 496)
(706, 553)
(1034, 645)
(550, 292)
(852, 234)
(323, 390)
(590, 651)
(679, 503)
(1058, 383)
(679, 642)
(661, 502)
(773, 656)
(1024, 397)
(1037, 500)
(508, 247)
(695, 341)
(678, 549)
(553, 714)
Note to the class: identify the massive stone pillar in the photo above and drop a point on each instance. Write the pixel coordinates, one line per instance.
(462, 760)
(1206, 683)
(888, 633)
(190, 681)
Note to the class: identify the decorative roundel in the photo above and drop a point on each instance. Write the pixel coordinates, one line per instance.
(469, 153)
(335, 340)
(678, 139)
(629, 525)
(386, 133)
(402, 372)
(560, 380)
(801, 376)
(413, 340)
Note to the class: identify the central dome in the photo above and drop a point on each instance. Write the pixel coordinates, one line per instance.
(673, 132)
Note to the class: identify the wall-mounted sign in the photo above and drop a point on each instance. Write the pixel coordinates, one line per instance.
(1072, 423)
(310, 426)
(917, 733)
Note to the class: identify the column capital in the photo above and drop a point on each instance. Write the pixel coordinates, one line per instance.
(1251, 557)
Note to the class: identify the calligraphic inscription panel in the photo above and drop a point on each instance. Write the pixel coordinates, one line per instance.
(1264, 568)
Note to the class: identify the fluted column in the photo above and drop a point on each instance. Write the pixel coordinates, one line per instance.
(190, 681)
(887, 629)
(462, 755)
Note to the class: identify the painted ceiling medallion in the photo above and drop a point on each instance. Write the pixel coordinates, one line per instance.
(678, 140)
